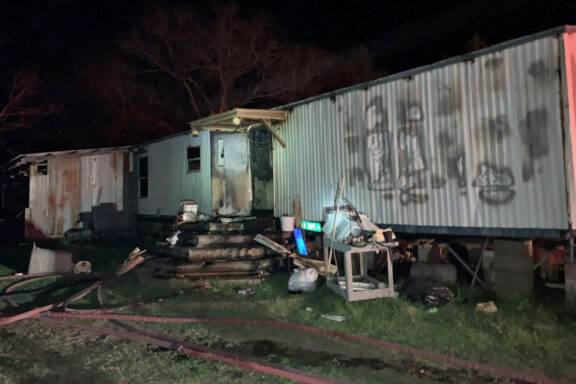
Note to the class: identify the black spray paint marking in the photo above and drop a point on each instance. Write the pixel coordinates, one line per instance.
(493, 129)
(453, 157)
(445, 140)
(353, 144)
(538, 70)
(388, 196)
(377, 146)
(494, 63)
(356, 176)
(497, 127)
(409, 112)
(438, 181)
(495, 184)
(534, 134)
(410, 197)
(449, 101)
(455, 168)
(495, 67)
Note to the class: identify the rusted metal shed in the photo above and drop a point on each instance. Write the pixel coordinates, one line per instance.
(88, 189)
(481, 144)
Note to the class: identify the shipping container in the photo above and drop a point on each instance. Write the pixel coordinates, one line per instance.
(480, 144)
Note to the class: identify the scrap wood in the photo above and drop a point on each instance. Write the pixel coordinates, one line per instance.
(508, 373)
(197, 288)
(46, 308)
(299, 261)
(80, 294)
(133, 259)
(9, 299)
(8, 295)
(272, 245)
(311, 263)
(22, 276)
(200, 352)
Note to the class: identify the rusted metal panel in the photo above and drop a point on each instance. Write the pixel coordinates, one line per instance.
(474, 143)
(38, 223)
(169, 181)
(102, 180)
(73, 185)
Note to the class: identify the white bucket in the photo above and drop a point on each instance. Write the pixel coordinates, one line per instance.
(287, 223)
(189, 206)
(189, 210)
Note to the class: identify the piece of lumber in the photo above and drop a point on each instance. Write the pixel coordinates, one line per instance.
(272, 245)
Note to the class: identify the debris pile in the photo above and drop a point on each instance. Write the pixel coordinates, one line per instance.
(220, 248)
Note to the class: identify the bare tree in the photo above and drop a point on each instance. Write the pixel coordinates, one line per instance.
(228, 61)
(23, 104)
(132, 109)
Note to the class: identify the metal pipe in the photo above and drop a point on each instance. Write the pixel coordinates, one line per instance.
(479, 262)
(464, 264)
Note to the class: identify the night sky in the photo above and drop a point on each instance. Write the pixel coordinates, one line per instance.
(400, 35)
(53, 36)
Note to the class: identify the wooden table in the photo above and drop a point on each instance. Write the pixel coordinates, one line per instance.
(348, 291)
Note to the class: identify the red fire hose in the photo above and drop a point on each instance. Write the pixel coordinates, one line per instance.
(485, 368)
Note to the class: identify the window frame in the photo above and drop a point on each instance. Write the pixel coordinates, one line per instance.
(193, 160)
(143, 178)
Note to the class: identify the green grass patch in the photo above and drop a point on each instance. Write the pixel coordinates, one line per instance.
(532, 336)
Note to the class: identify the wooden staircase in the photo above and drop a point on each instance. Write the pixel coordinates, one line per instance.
(223, 250)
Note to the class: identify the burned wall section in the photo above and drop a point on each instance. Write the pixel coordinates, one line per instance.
(260, 140)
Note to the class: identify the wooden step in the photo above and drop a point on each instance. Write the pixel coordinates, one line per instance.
(214, 253)
(225, 266)
(203, 240)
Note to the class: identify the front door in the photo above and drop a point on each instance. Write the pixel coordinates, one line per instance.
(231, 176)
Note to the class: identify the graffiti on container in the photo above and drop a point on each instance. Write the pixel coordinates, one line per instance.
(355, 176)
(409, 112)
(449, 101)
(453, 156)
(412, 178)
(538, 70)
(497, 128)
(353, 144)
(377, 146)
(495, 72)
(411, 158)
(495, 184)
(534, 135)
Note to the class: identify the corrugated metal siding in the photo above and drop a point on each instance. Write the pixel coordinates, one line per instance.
(168, 180)
(498, 116)
(74, 184)
(102, 180)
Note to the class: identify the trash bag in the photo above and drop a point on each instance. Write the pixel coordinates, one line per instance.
(438, 296)
(428, 292)
(303, 280)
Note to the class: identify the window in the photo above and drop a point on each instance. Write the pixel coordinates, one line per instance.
(143, 177)
(193, 157)
(42, 168)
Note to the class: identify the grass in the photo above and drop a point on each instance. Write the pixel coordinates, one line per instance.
(532, 336)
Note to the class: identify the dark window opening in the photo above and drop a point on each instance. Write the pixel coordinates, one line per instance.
(143, 177)
(42, 169)
(193, 157)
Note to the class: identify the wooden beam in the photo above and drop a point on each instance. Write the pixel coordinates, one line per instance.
(268, 125)
(256, 114)
(220, 127)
